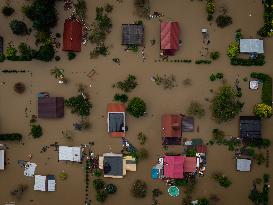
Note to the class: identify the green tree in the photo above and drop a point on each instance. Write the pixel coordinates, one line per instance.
(139, 189)
(58, 73)
(81, 8)
(262, 110)
(98, 184)
(46, 53)
(221, 179)
(136, 107)
(101, 196)
(214, 55)
(7, 10)
(25, 51)
(42, 14)
(71, 55)
(36, 131)
(223, 21)
(141, 138)
(127, 85)
(18, 27)
(203, 201)
(121, 98)
(111, 188)
(79, 104)
(196, 109)
(225, 105)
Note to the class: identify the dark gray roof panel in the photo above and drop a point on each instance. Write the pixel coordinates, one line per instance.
(250, 127)
(132, 34)
(114, 165)
(116, 122)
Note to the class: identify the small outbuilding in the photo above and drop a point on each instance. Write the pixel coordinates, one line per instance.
(250, 127)
(73, 154)
(72, 36)
(40, 183)
(2, 158)
(30, 169)
(251, 46)
(190, 165)
(116, 119)
(1, 45)
(187, 124)
(201, 149)
(169, 37)
(132, 34)
(50, 107)
(243, 165)
(51, 183)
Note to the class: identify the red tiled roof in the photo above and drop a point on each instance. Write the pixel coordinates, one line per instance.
(116, 107)
(72, 37)
(171, 125)
(173, 167)
(117, 134)
(201, 149)
(190, 164)
(169, 35)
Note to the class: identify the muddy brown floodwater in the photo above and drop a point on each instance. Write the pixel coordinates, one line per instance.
(192, 17)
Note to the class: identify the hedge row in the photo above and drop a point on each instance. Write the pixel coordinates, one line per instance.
(10, 137)
(267, 87)
(265, 31)
(259, 61)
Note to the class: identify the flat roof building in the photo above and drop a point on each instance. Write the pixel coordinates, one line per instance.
(250, 127)
(72, 154)
(132, 34)
(251, 46)
(243, 165)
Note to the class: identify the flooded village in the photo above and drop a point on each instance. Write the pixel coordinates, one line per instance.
(136, 102)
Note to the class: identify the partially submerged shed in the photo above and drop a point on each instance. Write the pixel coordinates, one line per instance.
(251, 46)
(50, 107)
(250, 127)
(40, 183)
(72, 36)
(132, 34)
(243, 165)
(190, 165)
(169, 37)
(72, 154)
(187, 124)
(2, 159)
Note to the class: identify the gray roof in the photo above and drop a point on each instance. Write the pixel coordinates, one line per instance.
(116, 122)
(243, 165)
(1, 45)
(132, 34)
(250, 127)
(187, 124)
(251, 46)
(115, 162)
